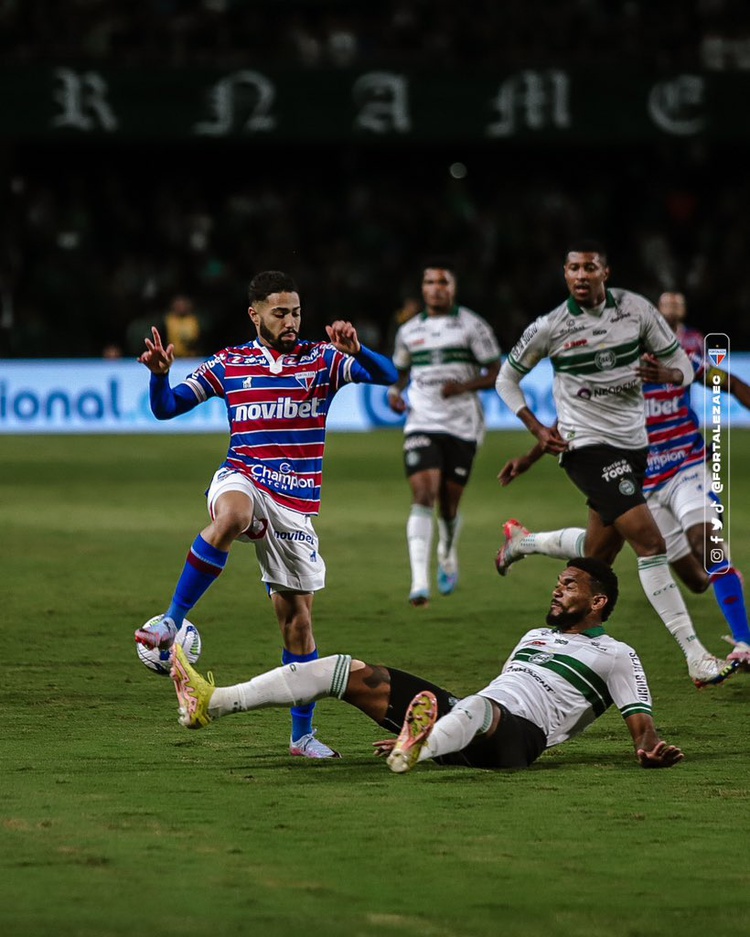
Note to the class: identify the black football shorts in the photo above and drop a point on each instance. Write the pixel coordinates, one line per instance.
(453, 456)
(611, 478)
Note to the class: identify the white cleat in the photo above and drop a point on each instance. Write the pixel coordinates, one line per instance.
(309, 747)
(711, 671)
(157, 634)
(514, 531)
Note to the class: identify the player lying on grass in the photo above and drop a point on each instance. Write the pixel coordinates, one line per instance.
(555, 683)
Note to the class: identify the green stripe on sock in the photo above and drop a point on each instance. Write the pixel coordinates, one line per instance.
(341, 675)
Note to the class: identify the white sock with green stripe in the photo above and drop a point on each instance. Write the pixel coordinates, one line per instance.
(419, 535)
(562, 544)
(662, 592)
(290, 685)
(454, 731)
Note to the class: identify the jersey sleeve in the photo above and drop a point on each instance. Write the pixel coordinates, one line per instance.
(401, 354)
(208, 379)
(483, 343)
(627, 684)
(339, 367)
(656, 335)
(370, 367)
(531, 347)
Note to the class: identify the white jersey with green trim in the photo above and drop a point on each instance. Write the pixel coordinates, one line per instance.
(598, 397)
(562, 681)
(438, 349)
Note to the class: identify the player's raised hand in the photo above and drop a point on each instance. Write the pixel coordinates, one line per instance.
(156, 357)
(660, 756)
(343, 336)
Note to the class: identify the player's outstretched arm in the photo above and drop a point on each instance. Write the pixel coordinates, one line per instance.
(369, 367)
(165, 401)
(651, 751)
(156, 357)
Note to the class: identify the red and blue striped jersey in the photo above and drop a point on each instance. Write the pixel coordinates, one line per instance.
(675, 440)
(691, 340)
(277, 405)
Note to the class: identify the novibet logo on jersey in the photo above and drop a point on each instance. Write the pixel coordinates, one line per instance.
(282, 409)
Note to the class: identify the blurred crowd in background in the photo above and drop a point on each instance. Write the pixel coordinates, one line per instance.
(670, 34)
(100, 239)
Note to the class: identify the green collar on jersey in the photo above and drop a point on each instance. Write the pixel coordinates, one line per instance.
(452, 312)
(596, 632)
(575, 310)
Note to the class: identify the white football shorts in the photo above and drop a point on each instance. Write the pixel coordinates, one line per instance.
(680, 504)
(285, 542)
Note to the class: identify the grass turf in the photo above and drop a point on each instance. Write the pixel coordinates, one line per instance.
(116, 821)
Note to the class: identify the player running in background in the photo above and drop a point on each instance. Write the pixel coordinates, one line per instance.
(674, 309)
(676, 486)
(277, 391)
(594, 340)
(445, 354)
(555, 683)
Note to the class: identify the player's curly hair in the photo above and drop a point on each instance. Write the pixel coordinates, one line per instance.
(270, 281)
(603, 579)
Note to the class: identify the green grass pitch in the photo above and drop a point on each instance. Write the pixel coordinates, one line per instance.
(116, 821)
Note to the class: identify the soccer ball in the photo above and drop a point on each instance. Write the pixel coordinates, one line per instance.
(158, 661)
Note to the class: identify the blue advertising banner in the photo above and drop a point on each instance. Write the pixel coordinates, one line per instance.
(97, 396)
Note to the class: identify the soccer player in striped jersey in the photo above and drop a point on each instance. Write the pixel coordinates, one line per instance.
(555, 683)
(595, 340)
(445, 354)
(277, 390)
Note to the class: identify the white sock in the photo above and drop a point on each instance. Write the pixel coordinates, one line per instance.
(290, 685)
(563, 544)
(666, 599)
(448, 532)
(454, 731)
(419, 538)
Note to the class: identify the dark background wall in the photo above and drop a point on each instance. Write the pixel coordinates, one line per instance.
(99, 229)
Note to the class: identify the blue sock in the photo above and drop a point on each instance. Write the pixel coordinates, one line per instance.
(301, 715)
(729, 594)
(202, 566)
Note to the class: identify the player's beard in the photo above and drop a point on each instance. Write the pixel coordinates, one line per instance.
(278, 343)
(564, 621)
